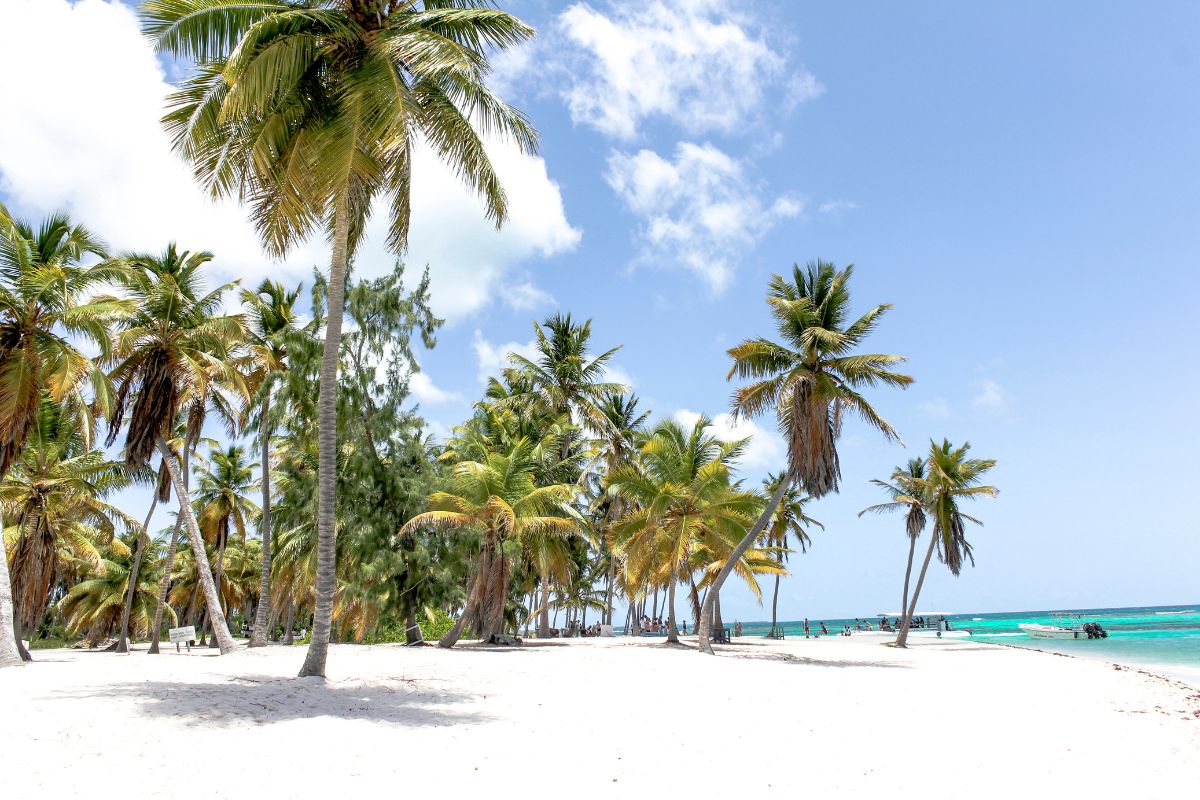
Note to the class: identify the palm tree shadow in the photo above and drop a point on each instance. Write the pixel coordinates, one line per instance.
(823, 662)
(264, 700)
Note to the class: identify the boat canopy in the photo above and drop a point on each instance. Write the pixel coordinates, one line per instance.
(918, 614)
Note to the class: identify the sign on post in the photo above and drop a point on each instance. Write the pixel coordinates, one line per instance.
(185, 634)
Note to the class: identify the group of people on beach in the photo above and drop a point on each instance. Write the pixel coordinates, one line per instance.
(657, 626)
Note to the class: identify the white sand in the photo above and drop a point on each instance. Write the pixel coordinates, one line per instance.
(599, 718)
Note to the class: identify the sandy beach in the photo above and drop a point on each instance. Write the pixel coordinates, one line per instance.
(604, 717)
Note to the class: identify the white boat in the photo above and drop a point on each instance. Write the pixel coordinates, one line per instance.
(1036, 631)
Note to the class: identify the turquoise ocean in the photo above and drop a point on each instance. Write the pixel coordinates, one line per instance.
(1161, 638)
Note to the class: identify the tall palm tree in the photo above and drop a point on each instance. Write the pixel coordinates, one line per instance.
(682, 494)
(96, 602)
(500, 498)
(309, 109)
(174, 352)
(905, 490)
(951, 477)
(811, 380)
(223, 504)
(271, 321)
(42, 308)
(789, 521)
(54, 496)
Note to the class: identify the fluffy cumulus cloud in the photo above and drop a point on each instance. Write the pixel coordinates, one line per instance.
(702, 64)
(428, 394)
(698, 210)
(491, 358)
(92, 144)
(764, 453)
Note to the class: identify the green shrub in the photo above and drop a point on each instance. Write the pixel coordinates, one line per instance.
(392, 630)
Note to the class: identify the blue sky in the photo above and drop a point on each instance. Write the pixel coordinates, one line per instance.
(1019, 180)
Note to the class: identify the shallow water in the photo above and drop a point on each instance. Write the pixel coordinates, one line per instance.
(1166, 638)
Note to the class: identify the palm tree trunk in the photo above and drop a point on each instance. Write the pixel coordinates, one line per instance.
(608, 590)
(544, 613)
(318, 648)
(220, 579)
(212, 602)
(672, 631)
(288, 637)
(164, 585)
(143, 538)
(412, 630)
(717, 620)
(10, 655)
(902, 637)
(774, 607)
(258, 636)
(694, 596)
(751, 536)
(469, 608)
(912, 546)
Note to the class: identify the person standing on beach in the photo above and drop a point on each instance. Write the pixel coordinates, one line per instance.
(806, 627)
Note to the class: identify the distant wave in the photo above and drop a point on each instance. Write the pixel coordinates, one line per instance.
(976, 619)
(998, 634)
(1189, 611)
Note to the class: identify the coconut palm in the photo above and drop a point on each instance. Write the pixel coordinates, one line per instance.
(174, 353)
(222, 501)
(54, 498)
(905, 490)
(810, 380)
(789, 521)
(499, 498)
(271, 321)
(95, 603)
(682, 495)
(951, 477)
(143, 540)
(310, 109)
(42, 309)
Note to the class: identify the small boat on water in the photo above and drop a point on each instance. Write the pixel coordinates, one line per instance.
(1068, 628)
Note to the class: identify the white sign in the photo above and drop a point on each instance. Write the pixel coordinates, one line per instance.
(182, 634)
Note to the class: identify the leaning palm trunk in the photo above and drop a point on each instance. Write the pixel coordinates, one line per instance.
(143, 538)
(751, 536)
(470, 608)
(258, 636)
(10, 656)
(212, 602)
(902, 637)
(164, 586)
(775, 608)
(912, 546)
(318, 648)
(220, 579)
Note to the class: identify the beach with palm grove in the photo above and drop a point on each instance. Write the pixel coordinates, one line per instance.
(237, 532)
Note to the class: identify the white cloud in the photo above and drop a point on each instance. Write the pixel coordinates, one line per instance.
(765, 450)
(935, 408)
(526, 297)
(615, 374)
(835, 208)
(492, 358)
(698, 211)
(94, 146)
(423, 388)
(990, 397)
(697, 63)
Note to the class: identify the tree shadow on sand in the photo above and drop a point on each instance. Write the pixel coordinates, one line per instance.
(264, 700)
(788, 658)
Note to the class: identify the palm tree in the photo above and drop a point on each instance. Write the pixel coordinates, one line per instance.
(951, 477)
(789, 520)
(905, 492)
(270, 323)
(222, 502)
(309, 110)
(41, 309)
(500, 498)
(810, 380)
(174, 352)
(682, 495)
(95, 602)
(54, 495)
(143, 539)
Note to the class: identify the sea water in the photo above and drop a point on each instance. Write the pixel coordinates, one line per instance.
(1161, 638)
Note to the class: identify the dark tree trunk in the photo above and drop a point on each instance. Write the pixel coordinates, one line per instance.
(672, 631)
(775, 609)
(412, 631)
